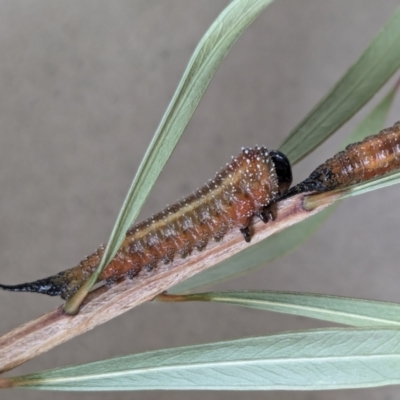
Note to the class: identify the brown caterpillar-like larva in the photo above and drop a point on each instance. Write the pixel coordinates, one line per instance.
(375, 156)
(243, 189)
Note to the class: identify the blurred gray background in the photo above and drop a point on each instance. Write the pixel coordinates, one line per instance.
(83, 85)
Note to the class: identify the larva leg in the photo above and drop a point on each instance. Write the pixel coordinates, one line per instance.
(270, 213)
(263, 216)
(266, 214)
(246, 234)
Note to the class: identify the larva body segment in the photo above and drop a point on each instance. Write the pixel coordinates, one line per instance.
(375, 156)
(244, 188)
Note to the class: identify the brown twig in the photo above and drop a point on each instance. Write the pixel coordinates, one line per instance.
(40, 335)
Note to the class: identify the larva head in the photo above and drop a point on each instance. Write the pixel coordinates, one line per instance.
(283, 170)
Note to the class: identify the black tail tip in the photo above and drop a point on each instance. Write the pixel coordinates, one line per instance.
(302, 187)
(44, 286)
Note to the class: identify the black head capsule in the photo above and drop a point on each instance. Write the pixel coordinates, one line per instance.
(283, 169)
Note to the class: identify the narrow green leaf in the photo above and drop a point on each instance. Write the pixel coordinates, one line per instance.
(342, 310)
(312, 360)
(207, 57)
(283, 242)
(375, 66)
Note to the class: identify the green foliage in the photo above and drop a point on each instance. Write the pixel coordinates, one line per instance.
(324, 359)
(342, 310)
